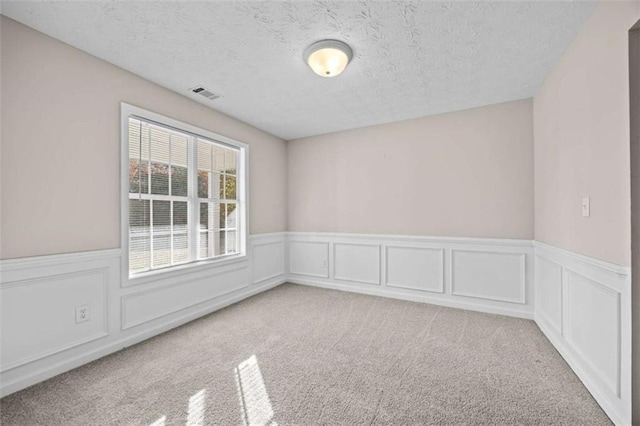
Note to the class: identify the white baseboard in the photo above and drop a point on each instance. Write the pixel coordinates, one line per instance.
(485, 275)
(413, 297)
(583, 306)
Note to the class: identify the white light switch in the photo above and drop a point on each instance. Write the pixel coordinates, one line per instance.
(586, 207)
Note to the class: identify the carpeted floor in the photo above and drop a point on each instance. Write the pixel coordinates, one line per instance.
(306, 356)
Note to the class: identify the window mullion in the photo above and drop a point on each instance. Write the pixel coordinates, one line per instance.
(170, 192)
(212, 240)
(171, 232)
(192, 193)
(151, 232)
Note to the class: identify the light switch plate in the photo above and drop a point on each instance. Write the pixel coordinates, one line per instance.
(586, 207)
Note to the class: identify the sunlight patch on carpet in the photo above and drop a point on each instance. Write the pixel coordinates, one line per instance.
(195, 416)
(252, 393)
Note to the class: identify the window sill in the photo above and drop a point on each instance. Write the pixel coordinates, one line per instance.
(180, 270)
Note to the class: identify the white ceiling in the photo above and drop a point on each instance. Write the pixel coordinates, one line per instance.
(411, 58)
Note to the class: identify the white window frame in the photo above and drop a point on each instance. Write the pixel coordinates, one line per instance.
(242, 195)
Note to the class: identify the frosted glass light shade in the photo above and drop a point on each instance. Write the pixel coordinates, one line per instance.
(328, 58)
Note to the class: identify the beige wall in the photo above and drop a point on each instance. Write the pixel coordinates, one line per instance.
(581, 127)
(467, 174)
(60, 147)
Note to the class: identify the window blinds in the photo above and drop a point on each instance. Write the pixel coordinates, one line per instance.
(161, 202)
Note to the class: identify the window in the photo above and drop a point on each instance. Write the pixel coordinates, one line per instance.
(185, 193)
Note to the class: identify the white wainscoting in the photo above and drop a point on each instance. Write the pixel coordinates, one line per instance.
(309, 258)
(39, 296)
(148, 305)
(359, 263)
(489, 275)
(583, 305)
(39, 299)
(486, 275)
(415, 268)
(268, 254)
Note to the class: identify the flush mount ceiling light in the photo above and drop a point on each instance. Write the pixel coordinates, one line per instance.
(328, 58)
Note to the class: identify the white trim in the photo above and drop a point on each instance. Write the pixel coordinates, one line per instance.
(281, 243)
(388, 283)
(328, 254)
(492, 303)
(148, 292)
(614, 279)
(267, 235)
(115, 331)
(184, 268)
(412, 296)
(260, 281)
(574, 362)
(242, 201)
(7, 265)
(587, 260)
(261, 240)
(104, 271)
(333, 260)
(523, 276)
(577, 271)
(82, 358)
(410, 238)
(616, 386)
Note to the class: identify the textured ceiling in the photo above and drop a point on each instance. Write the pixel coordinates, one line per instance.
(411, 58)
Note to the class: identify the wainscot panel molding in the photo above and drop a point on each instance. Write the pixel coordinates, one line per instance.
(147, 305)
(39, 297)
(309, 258)
(491, 275)
(268, 253)
(356, 262)
(583, 306)
(415, 268)
(487, 275)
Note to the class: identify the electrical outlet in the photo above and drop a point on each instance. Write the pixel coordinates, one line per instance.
(82, 313)
(586, 207)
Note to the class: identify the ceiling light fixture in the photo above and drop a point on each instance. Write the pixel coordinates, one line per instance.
(328, 58)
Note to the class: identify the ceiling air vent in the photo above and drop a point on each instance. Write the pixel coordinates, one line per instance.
(199, 90)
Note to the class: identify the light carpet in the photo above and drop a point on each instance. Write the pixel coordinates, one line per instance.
(299, 355)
